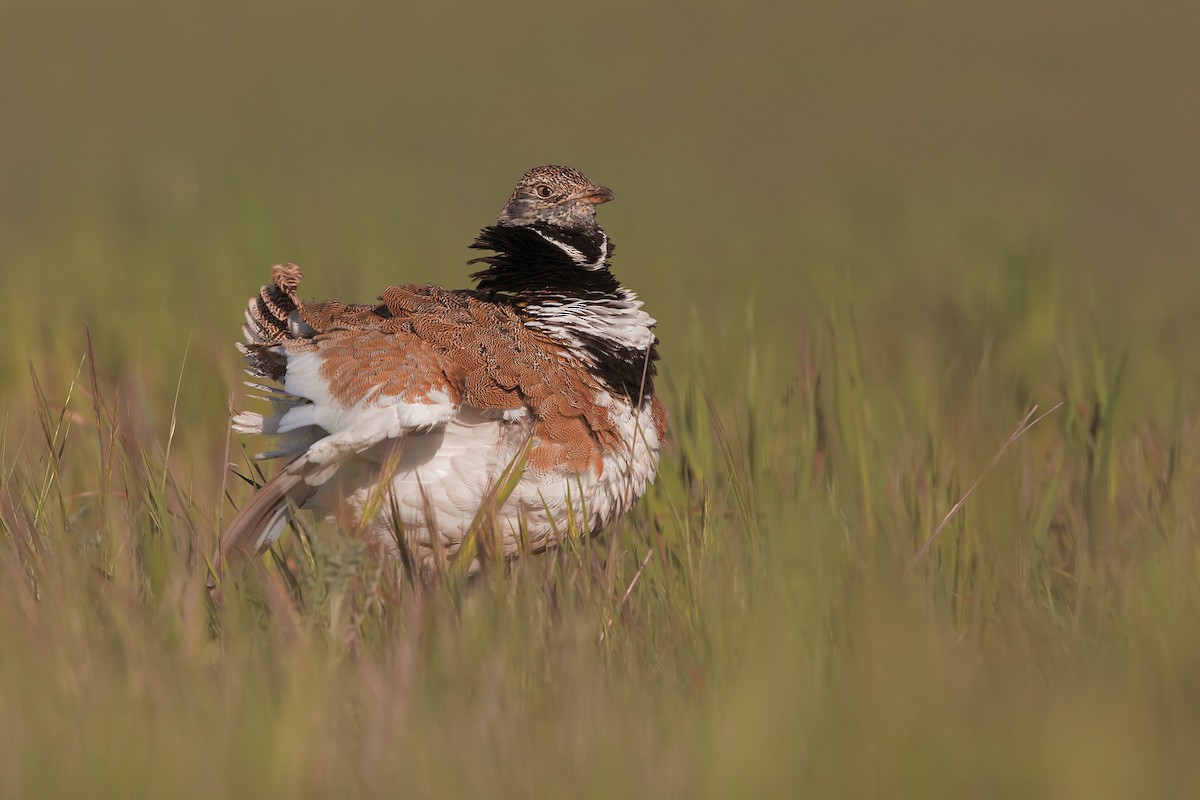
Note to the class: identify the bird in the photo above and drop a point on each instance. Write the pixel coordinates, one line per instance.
(443, 423)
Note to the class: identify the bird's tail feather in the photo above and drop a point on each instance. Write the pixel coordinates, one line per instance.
(270, 317)
(259, 523)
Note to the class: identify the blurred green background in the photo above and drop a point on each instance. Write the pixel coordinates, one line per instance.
(158, 157)
(874, 234)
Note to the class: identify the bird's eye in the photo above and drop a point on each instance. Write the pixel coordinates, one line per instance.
(543, 191)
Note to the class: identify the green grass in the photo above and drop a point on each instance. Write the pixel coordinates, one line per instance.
(873, 240)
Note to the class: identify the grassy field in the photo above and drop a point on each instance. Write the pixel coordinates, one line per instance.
(874, 240)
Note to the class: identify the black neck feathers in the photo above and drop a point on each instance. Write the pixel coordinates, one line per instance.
(559, 279)
(545, 259)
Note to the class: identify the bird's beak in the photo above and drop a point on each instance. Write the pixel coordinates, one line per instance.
(595, 195)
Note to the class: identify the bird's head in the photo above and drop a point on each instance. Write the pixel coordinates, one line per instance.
(554, 195)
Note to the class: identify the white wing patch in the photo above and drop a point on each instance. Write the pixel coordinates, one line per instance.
(348, 430)
(365, 425)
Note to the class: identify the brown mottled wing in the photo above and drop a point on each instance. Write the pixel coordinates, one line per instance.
(502, 364)
(356, 375)
(425, 339)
